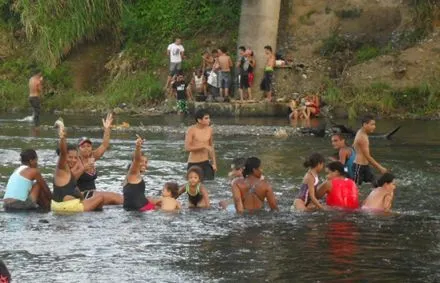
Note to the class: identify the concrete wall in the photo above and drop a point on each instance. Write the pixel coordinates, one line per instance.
(259, 27)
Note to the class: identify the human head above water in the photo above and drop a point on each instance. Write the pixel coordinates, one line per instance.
(202, 116)
(315, 160)
(172, 188)
(335, 169)
(368, 123)
(386, 179)
(252, 167)
(29, 157)
(72, 155)
(192, 173)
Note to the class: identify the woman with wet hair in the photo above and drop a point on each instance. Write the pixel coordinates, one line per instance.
(251, 192)
(66, 195)
(26, 189)
(340, 190)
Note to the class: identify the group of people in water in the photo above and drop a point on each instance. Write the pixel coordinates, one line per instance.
(74, 188)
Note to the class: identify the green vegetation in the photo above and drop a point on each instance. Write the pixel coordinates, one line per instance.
(382, 98)
(45, 33)
(349, 13)
(305, 19)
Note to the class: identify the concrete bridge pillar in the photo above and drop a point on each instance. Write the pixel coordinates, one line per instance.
(259, 27)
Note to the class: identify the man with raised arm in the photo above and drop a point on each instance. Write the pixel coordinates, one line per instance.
(199, 142)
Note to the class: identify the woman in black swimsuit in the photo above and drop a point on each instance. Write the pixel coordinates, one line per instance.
(88, 156)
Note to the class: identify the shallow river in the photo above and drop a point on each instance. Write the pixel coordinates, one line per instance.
(217, 246)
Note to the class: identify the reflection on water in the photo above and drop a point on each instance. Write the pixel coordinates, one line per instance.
(216, 246)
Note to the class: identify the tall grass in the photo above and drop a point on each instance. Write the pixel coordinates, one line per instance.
(55, 26)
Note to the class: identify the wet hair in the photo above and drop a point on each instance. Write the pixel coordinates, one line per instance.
(27, 155)
(223, 49)
(268, 47)
(197, 170)
(337, 166)
(200, 113)
(385, 179)
(242, 48)
(340, 136)
(69, 148)
(314, 160)
(173, 188)
(366, 119)
(251, 164)
(238, 163)
(4, 271)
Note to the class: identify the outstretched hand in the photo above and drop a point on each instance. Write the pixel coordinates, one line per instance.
(139, 141)
(107, 123)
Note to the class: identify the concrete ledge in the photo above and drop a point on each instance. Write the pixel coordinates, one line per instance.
(234, 109)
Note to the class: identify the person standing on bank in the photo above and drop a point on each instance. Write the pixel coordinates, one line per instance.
(199, 142)
(35, 93)
(266, 83)
(176, 53)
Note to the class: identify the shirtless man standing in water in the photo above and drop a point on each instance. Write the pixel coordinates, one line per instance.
(361, 169)
(200, 145)
(35, 92)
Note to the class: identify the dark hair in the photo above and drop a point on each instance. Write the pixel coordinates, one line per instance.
(251, 164)
(200, 113)
(314, 160)
(27, 155)
(385, 179)
(239, 163)
(4, 271)
(366, 119)
(214, 51)
(337, 166)
(173, 188)
(242, 48)
(223, 49)
(268, 47)
(69, 148)
(197, 170)
(340, 136)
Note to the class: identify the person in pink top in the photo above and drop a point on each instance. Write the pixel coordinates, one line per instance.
(340, 190)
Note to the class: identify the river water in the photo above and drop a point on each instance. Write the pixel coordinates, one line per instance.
(217, 246)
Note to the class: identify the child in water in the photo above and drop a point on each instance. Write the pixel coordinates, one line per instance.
(168, 200)
(306, 199)
(381, 198)
(197, 193)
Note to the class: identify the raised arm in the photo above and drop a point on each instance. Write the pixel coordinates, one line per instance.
(136, 164)
(364, 148)
(107, 123)
(62, 159)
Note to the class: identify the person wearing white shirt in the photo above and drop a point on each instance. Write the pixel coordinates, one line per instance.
(176, 53)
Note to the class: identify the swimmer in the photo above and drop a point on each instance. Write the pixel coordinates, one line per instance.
(197, 193)
(381, 198)
(199, 142)
(26, 189)
(236, 174)
(66, 195)
(168, 200)
(346, 155)
(306, 199)
(361, 166)
(134, 184)
(250, 193)
(341, 191)
(88, 157)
